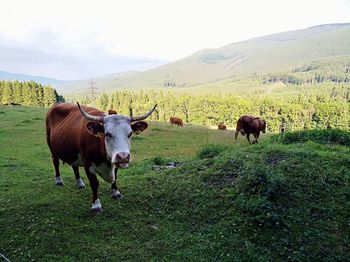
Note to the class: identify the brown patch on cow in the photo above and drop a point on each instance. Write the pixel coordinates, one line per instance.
(139, 127)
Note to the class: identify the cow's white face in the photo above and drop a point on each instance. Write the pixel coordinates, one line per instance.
(117, 135)
(117, 131)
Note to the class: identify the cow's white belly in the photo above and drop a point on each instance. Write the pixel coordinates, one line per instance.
(104, 171)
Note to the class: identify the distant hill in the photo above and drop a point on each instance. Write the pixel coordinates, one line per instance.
(21, 77)
(262, 55)
(102, 83)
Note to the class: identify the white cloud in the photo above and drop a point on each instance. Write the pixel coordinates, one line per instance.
(151, 31)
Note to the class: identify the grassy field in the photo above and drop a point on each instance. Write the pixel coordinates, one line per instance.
(279, 200)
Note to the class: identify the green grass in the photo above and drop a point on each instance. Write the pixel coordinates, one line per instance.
(265, 202)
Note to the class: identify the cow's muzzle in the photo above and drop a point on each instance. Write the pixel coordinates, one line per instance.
(122, 160)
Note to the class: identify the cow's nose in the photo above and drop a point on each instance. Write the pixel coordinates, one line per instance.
(123, 157)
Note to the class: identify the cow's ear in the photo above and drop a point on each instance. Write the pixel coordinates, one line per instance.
(139, 127)
(95, 128)
(112, 112)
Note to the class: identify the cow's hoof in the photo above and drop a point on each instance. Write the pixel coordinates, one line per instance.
(117, 196)
(80, 184)
(58, 181)
(96, 211)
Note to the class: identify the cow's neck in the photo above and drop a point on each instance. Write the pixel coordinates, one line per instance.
(100, 162)
(104, 170)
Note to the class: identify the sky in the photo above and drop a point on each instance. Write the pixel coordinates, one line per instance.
(80, 39)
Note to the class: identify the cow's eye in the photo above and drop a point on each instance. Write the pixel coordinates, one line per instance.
(108, 135)
(130, 135)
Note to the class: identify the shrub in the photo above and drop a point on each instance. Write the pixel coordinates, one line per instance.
(322, 136)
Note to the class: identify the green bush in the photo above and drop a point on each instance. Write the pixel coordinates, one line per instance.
(322, 136)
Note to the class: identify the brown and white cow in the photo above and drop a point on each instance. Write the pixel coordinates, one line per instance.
(221, 126)
(247, 125)
(176, 121)
(85, 137)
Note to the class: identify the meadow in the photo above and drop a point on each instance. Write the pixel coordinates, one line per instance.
(286, 198)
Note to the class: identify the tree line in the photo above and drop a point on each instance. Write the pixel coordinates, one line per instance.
(28, 93)
(336, 70)
(319, 108)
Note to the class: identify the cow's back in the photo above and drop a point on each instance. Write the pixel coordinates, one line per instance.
(65, 129)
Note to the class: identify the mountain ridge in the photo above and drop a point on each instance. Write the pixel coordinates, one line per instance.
(260, 55)
(273, 53)
(4, 75)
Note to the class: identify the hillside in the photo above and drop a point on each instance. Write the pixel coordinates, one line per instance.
(22, 77)
(284, 199)
(258, 56)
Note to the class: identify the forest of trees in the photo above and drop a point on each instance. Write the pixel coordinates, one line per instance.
(27, 93)
(326, 108)
(336, 70)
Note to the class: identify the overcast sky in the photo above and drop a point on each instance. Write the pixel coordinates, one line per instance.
(76, 39)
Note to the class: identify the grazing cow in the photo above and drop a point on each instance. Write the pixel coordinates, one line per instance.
(85, 137)
(112, 112)
(176, 121)
(247, 125)
(221, 126)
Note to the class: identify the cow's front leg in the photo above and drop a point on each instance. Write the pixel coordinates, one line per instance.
(256, 136)
(115, 192)
(96, 206)
(79, 182)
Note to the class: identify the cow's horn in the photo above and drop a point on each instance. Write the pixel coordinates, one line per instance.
(90, 117)
(138, 118)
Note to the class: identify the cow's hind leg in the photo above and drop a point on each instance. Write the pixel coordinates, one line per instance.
(79, 182)
(256, 136)
(248, 138)
(236, 135)
(56, 164)
(115, 192)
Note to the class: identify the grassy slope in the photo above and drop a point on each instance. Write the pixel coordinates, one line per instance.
(260, 202)
(267, 54)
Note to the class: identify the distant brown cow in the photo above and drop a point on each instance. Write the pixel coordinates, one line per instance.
(176, 121)
(112, 112)
(247, 125)
(221, 127)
